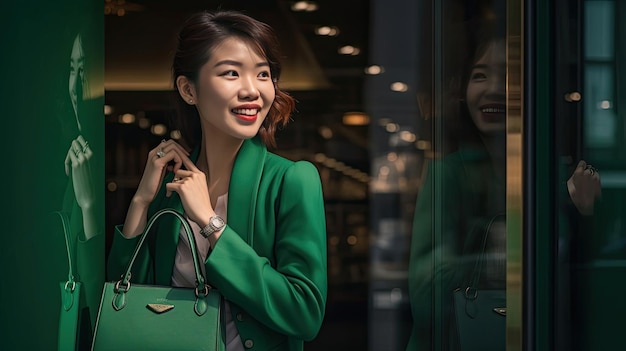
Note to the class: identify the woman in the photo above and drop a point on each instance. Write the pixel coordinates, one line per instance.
(258, 219)
(472, 200)
(81, 204)
(473, 192)
(79, 157)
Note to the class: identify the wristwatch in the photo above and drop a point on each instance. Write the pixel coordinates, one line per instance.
(216, 223)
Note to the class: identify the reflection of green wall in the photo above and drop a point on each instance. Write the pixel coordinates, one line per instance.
(36, 39)
(601, 313)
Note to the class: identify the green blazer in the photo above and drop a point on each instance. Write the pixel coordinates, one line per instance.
(460, 195)
(270, 261)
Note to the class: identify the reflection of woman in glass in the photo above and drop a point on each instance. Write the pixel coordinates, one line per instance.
(79, 155)
(473, 192)
(81, 203)
(77, 79)
(472, 201)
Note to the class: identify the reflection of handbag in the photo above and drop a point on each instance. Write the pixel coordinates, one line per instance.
(480, 314)
(149, 317)
(74, 324)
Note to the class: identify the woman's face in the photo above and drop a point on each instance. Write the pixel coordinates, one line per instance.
(486, 90)
(77, 72)
(234, 91)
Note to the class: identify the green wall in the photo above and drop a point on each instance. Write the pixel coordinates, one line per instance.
(38, 125)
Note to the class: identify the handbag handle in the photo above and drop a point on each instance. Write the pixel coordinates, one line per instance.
(471, 292)
(123, 285)
(71, 283)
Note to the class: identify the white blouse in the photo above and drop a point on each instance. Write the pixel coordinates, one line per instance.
(184, 273)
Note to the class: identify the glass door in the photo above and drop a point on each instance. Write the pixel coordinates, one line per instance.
(580, 175)
(458, 272)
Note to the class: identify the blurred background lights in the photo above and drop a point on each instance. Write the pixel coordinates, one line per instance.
(374, 70)
(355, 118)
(127, 118)
(319, 157)
(159, 129)
(330, 162)
(407, 136)
(325, 132)
(339, 166)
(352, 240)
(327, 31)
(392, 127)
(399, 87)
(573, 97)
(175, 134)
(307, 6)
(605, 105)
(349, 50)
(112, 186)
(383, 171)
(423, 145)
(144, 123)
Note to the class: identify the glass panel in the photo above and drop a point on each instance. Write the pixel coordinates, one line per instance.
(592, 236)
(395, 162)
(599, 114)
(457, 267)
(52, 100)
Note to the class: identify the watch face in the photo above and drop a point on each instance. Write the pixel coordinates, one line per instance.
(217, 221)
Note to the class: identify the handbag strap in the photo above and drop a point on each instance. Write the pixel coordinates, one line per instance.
(71, 282)
(473, 285)
(201, 286)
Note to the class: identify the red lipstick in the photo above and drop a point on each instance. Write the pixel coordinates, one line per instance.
(247, 113)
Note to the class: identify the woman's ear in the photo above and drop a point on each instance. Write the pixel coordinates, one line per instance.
(186, 89)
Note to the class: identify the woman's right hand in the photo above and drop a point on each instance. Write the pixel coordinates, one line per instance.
(167, 156)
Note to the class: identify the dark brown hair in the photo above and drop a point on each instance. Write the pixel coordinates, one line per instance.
(478, 36)
(199, 35)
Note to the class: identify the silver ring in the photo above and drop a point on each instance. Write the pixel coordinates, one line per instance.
(160, 153)
(163, 140)
(591, 169)
(176, 179)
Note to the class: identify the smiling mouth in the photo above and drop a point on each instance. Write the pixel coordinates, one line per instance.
(499, 109)
(246, 114)
(493, 113)
(246, 111)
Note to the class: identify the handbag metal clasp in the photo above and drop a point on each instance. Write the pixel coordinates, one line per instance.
(121, 288)
(205, 292)
(471, 293)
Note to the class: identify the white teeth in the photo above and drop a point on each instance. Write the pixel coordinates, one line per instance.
(493, 110)
(245, 111)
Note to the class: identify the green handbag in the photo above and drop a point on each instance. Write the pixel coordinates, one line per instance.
(150, 317)
(479, 312)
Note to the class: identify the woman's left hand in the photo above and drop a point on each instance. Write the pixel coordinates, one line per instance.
(584, 187)
(191, 186)
(78, 160)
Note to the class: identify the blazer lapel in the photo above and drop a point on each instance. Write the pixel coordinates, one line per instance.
(244, 186)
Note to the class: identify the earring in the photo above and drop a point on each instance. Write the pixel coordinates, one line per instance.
(190, 101)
